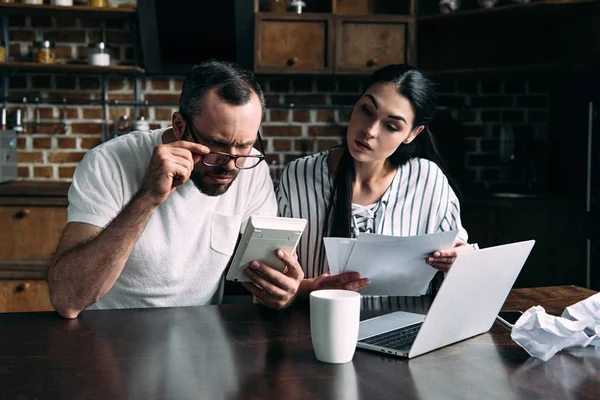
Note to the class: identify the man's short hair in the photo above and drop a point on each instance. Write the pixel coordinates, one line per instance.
(233, 84)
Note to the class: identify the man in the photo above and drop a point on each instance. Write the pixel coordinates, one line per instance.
(154, 216)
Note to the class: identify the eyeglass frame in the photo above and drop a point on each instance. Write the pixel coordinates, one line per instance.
(190, 128)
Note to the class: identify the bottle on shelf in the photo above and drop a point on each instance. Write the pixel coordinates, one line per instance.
(97, 3)
(122, 126)
(141, 124)
(98, 54)
(43, 52)
(64, 3)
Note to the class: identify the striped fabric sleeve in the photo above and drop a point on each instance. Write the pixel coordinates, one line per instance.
(444, 207)
(283, 204)
(450, 219)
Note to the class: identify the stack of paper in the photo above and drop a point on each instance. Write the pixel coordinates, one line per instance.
(395, 265)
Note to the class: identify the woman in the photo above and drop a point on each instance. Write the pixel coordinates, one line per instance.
(385, 179)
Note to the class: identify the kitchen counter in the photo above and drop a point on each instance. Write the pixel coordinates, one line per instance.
(34, 193)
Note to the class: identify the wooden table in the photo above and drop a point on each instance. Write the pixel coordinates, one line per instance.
(249, 352)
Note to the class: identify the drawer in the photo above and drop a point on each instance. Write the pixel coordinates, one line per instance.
(24, 296)
(30, 232)
(363, 46)
(288, 44)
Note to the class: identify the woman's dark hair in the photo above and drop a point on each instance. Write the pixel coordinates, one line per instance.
(420, 92)
(233, 83)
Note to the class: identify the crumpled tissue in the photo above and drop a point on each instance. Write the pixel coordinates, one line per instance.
(543, 335)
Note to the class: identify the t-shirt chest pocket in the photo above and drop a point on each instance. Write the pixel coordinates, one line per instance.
(224, 232)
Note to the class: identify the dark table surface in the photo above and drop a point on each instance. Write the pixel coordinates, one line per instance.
(245, 351)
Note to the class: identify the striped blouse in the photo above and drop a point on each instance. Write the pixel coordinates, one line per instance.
(418, 201)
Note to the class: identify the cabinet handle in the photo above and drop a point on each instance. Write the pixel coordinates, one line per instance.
(22, 213)
(22, 287)
(292, 61)
(372, 62)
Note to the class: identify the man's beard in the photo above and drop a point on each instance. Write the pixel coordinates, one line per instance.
(213, 189)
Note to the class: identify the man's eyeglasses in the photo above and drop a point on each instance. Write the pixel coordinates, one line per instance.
(218, 159)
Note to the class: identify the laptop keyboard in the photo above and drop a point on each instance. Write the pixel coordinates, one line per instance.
(397, 339)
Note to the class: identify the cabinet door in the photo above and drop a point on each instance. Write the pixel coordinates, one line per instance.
(364, 45)
(30, 232)
(24, 296)
(558, 257)
(290, 44)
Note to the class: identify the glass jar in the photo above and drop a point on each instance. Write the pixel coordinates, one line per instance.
(37, 2)
(43, 52)
(98, 54)
(64, 3)
(97, 3)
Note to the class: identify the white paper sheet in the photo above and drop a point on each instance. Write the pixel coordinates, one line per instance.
(395, 265)
(338, 251)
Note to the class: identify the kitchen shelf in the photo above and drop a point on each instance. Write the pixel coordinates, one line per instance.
(534, 7)
(74, 68)
(510, 70)
(526, 39)
(81, 11)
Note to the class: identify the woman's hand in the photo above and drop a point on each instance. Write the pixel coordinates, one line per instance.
(443, 259)
(345, 281)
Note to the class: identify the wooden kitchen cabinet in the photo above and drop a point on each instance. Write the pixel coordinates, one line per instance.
(366, 44)
(336, 36)
(510, 37)
(558, 256)
(290, 44)
(32, 218)
(24, 296)
(30, 231)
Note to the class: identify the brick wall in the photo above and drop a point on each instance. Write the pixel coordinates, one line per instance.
(483, 107)
(52, 148)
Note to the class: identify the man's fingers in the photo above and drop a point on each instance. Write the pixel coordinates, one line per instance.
(294, 270)
(260, 294)
(191, 146)
(179, 174)
(185, 163)
(193, 156)
(275, 285)
(184, 154)
(271, 275)
(264, 297)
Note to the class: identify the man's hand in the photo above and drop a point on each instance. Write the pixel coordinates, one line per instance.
(345, 281)
(273, 288)
(443, 259)
(171, 166)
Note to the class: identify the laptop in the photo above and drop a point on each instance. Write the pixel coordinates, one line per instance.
(466, 305)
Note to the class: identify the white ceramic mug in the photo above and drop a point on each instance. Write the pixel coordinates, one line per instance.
(334, 319)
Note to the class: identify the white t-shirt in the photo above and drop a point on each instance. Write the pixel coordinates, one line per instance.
(184, 249)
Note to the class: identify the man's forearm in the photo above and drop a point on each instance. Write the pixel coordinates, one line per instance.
(84, 274)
